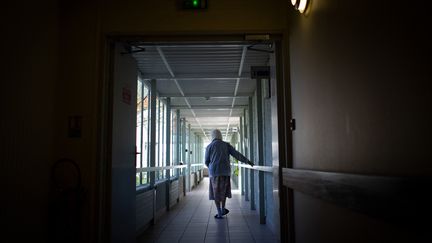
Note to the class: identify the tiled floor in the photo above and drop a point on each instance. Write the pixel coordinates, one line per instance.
(192, 221)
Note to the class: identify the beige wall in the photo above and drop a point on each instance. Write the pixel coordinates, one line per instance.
(359, 73)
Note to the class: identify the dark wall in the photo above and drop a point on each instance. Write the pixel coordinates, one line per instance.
(360, 73)
(29, 52)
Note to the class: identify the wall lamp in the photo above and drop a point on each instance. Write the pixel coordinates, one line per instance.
(300, 5)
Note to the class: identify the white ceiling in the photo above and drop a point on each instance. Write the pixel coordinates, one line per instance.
(209, 84)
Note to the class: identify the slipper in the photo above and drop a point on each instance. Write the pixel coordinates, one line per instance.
(226, 211)
(218, 217)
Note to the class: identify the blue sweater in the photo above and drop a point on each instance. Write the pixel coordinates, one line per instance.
(217, 158)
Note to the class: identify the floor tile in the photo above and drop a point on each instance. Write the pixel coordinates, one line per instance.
(192, 221)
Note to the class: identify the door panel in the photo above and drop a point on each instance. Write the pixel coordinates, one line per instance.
(123, 147)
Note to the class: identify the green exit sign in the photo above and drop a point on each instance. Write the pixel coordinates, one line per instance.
(194, 4)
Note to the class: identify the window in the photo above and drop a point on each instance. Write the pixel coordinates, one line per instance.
(157, 147)
(142, 132)
(162, 149)
(160, 138)
(174, 138)
(143, 135)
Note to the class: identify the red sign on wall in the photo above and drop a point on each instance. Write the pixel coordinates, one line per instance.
(127, 96)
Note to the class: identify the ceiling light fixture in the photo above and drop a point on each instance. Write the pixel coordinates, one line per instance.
(300, 5)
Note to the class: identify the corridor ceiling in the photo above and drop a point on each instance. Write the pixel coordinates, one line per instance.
(209, 84)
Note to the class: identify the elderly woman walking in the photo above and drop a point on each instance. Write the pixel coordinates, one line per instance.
(218, 163)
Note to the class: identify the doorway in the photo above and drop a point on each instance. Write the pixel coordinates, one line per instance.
(191, 85)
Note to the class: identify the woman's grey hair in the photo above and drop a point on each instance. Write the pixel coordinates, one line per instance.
(216, 134)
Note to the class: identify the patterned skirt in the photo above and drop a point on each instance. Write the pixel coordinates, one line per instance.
(219, 188)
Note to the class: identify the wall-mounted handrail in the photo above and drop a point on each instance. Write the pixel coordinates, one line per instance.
(255, 167)
(393, 198)
(147, 169)
(198, 164)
